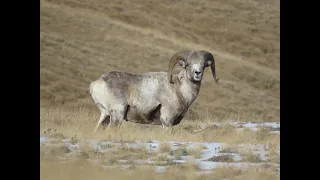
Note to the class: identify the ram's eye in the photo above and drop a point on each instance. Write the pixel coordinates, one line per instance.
(208, 63)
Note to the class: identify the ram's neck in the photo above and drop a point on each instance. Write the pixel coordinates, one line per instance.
(187, 90)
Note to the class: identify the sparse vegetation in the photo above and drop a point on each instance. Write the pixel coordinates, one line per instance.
(164, 147)
(107, 145)
(229, 149)
(74, 139)
(251, 157)
(54, 149)
(161, 157)
(195, 152)
(182, 151)
(225, 172)
(90, 150)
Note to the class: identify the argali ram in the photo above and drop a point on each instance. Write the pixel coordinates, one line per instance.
(158, 98)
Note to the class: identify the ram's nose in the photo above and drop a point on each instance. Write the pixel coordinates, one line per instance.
(198, 72)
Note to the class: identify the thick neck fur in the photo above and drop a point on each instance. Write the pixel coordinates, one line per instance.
(187, 90)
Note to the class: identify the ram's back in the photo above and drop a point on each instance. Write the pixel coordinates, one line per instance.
(135, 88)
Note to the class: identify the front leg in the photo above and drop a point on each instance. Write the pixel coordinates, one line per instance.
(167, 120)
(168, 129)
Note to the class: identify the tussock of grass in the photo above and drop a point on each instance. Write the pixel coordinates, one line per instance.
(164, 147)
(124, 152)
(160, 157)
(195, 152)
(251, 157)
(74, 139)
(261, 136)
(213, 133)
(189, 166)
(124, 148)
(90, 151)
(230, 149)
(181, 151)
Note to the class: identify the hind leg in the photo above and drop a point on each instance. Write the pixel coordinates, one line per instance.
(102, 119)
(106, 122)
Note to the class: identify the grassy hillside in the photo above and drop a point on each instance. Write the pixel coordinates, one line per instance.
(81, 39)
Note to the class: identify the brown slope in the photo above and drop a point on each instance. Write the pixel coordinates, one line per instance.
(80, 40)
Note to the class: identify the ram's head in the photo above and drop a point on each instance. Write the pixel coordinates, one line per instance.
(194, 62)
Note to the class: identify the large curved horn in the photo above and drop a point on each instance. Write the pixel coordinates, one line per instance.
(209, 57)
(182, 55)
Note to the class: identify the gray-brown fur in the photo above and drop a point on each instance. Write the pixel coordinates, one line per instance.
(151, 98)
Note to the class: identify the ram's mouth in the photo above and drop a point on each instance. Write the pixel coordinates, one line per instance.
(197, 78)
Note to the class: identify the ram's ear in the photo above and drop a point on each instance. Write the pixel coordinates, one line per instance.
(182, 63)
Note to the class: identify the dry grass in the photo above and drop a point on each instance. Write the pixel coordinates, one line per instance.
(250, 136)
(80, 40)
(79, 123)
(125, 152)
(81, 169)
(160, 157)
(89, 150)
(52, 150)
(251, 157)
(181, 151)
(251, 173)
(229, 149)
(164, 147)
(226, 172)
(195, 152)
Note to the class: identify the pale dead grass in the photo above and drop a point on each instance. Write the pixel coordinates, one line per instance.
(195, 152)
(89, 150)
(249, 173)
(160, 157)
(251, 137)
(78, 123)
(82, 169)
(129, 154)
(273, 153)
(181, 151)
(251, 157)
(164, 147)
(52, 150)
(229, 148)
